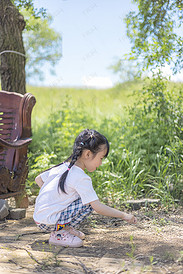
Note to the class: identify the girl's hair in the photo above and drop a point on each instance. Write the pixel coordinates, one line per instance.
(87, 139)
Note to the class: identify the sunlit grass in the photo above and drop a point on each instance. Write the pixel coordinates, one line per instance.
(98, 103)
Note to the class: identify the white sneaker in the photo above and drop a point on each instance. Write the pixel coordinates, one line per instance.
(64, 238)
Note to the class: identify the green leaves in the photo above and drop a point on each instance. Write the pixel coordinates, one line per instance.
(29, 6)
(42, 43)
(153, 33)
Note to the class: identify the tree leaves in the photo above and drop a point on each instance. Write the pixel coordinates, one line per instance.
(29, 6)
(153, 33)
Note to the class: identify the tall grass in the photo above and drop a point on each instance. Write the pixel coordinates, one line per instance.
(144, 130)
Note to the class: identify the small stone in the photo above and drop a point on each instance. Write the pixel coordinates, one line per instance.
(4, 209)
(17, 213)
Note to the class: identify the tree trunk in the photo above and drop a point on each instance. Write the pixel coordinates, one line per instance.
(12, 67)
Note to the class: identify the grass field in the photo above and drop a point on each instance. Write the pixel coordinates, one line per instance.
(144, 130)
(98, 103)
(101, 103)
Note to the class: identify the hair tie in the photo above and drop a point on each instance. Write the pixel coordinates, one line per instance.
(68, 169)
(82, 143)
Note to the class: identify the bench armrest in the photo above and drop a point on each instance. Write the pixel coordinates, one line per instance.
(15, 144)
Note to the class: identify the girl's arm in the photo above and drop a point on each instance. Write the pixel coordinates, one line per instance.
(39, 181)
(112, 212)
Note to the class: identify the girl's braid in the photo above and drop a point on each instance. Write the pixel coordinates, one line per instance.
(76, 154)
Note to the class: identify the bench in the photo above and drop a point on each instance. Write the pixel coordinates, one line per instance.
(15, 136)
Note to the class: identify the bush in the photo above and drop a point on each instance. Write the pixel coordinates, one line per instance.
(154, 132)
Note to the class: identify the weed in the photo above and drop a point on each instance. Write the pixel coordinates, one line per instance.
(133, 247)
(152, 262)
(180, 259)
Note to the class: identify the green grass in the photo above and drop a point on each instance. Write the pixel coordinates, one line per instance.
(144, 130)
(98, 103)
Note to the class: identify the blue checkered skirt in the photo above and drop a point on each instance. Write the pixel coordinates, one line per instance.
(73, 215)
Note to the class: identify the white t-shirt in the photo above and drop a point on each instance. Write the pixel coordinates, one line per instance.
(51, 200)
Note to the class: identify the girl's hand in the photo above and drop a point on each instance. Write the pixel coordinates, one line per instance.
(129, 218)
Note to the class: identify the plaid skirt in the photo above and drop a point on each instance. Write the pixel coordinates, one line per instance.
(73, 215)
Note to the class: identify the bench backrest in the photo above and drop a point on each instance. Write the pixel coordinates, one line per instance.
(15, 123)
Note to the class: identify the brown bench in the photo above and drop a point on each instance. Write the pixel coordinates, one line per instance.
(15, 133)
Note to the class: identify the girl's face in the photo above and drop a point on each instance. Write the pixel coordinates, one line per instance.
(93, 161)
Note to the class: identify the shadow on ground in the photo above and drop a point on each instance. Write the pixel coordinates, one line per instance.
(154, 245)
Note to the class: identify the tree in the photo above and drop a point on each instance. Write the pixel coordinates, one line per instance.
(153, 32)
(12, 67)
(41, 42)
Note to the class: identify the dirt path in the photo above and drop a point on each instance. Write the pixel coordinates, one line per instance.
(154, 245)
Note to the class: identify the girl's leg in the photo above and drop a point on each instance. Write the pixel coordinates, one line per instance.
(73, 215)
(64, 233)
(75, 232)
(46, 228)
(63, 238)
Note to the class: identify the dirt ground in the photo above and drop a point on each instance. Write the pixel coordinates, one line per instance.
(154, 245)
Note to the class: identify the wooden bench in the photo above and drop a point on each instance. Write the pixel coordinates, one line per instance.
(15, 133)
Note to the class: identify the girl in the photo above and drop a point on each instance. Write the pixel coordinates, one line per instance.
(67, 196)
